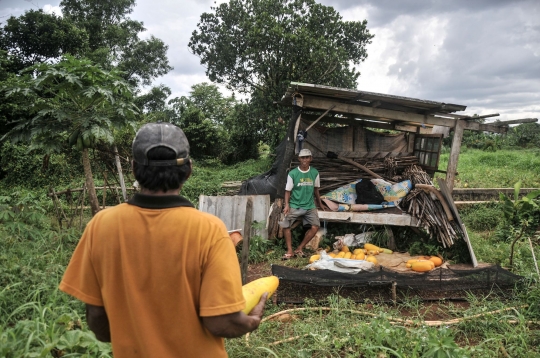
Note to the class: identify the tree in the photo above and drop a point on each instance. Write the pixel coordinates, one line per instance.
(201, 116)
(217, 126)
(36, 37)
(74, 103)
(114, 39)
(154, 100)
(260, 46)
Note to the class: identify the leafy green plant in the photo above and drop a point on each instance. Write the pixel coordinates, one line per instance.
(258, 249)
(521, 210)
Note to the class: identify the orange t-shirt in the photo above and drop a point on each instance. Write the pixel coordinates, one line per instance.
(157, 265)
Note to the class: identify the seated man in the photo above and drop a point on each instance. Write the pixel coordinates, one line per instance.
(302, 183)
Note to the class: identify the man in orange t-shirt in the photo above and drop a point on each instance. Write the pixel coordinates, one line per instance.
(160, 278)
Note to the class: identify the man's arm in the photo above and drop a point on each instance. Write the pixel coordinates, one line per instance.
(236, 324)
(318, 198)
(287, 198)
(98, 322)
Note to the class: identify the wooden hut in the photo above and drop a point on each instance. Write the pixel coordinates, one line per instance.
(349, 117)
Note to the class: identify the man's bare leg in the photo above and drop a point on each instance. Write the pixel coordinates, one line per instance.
(309, 235)
(288, 240)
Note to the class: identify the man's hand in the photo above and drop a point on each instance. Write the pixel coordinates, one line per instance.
(236, 324)
(98, 322)
(258, 310)
(286, 209)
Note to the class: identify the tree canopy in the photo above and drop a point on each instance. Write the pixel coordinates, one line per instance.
(260, 46)
(113, 39)
(264, 44)
(36, 37)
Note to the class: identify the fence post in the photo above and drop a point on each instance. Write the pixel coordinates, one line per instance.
(247, 238)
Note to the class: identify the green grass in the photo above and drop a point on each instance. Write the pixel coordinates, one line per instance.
(208, 177)
(37, 320)
(499, 169)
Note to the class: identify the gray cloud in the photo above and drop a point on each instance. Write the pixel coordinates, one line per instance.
(483, 53)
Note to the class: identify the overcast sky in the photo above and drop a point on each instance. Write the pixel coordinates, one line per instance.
(484, 54)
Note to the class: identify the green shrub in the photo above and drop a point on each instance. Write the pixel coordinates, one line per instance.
(482, 217)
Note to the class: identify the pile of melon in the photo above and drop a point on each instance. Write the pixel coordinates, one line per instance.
(368, 253)
(424, 263)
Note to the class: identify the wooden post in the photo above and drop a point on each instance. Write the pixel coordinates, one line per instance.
(288, 155)
(447, 194)
(82, 206)
(247, 238)
(105, 184)
(391, 244)
(454, 154)
(274, 218)
(120, 174)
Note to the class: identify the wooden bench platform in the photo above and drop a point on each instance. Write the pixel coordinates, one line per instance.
(372, 217)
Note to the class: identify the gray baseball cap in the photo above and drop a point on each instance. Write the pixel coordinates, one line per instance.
(154, 135)
(305, 153)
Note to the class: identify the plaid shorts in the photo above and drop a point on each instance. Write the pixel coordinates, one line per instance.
(309, 216)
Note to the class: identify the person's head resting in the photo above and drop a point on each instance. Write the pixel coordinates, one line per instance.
(161, 157)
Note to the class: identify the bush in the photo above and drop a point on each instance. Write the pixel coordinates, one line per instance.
(481, 217)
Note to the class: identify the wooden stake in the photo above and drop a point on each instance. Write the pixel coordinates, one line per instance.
(534, 257)
(454, 154)
(120, 173)
(82, 206)
(247, 238)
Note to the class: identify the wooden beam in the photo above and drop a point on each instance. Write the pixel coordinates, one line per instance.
(454, 154)
(313, 102)
(351, 122)
(403, 127)
(349, 108)
(515, 121)
(447, 193)
(484, 116)
(475, 126)
(318, 119)
(247, 238)
(368, 218)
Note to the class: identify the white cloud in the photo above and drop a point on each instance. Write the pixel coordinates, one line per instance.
(50, 9)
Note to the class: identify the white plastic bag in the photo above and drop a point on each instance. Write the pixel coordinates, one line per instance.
(326, 262)
(352, 240)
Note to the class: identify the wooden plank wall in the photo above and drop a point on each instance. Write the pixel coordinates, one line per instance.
(232, 211)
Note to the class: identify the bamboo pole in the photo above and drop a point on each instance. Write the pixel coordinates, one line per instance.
(120, 173)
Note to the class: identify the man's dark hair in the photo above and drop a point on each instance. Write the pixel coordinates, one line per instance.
(161, 178)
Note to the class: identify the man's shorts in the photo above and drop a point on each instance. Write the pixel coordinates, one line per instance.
(309, 216)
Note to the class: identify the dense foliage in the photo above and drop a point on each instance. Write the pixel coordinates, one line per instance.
(260, 46)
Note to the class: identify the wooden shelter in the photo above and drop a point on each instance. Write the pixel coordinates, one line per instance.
(352, 113)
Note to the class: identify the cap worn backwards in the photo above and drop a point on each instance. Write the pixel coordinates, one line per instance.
(154, 135)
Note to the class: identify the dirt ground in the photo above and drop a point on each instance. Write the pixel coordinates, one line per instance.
(433, 305)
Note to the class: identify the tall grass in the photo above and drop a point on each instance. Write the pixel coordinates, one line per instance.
(37, 320)
(499, 169)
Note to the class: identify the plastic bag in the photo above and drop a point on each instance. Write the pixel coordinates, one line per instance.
(352, 240)
(326, 262)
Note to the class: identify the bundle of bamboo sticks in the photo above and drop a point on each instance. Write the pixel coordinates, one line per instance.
(335, 173)
(429, 212)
